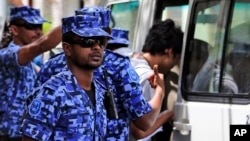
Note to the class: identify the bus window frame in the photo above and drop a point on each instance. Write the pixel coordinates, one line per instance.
(206, 96)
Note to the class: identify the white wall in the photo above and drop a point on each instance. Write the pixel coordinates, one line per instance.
(3, 14)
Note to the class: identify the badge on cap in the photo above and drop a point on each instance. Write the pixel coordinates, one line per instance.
(35, 107)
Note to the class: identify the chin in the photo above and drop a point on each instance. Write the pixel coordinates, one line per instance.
(96, 65)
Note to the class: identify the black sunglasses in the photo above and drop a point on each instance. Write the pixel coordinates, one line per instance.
(88, 43)
(29, 26)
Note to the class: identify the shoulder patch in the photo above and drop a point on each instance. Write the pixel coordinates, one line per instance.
(35, 107)
(133, 75)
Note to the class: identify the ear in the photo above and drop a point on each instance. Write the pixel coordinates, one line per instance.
(67, 48)
(14, 30)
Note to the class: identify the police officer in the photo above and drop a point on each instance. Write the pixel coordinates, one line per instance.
(17, 75)
(121, 80)
(69, 106)
(120, 40)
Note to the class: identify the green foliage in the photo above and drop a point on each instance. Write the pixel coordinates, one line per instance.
(47, 27)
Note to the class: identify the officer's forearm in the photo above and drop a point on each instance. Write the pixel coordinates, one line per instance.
(28, 52)
(16, 2)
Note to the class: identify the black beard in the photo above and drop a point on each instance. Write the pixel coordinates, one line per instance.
(84, 66)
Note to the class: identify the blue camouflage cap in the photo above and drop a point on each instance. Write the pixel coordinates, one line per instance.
(101, 12)
(120, 36)
(84, 26)
(29, 14)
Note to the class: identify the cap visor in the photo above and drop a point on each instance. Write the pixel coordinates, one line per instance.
(35, 20)
(91, 32)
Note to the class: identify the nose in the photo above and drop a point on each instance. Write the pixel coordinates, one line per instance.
(38, 31)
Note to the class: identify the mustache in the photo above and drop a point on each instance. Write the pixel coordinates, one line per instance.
(96, 53)
(38, 35)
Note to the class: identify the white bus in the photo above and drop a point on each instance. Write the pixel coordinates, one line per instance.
(214, 84)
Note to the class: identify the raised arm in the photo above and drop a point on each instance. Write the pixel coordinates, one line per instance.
(147, 121)
(48, 41)
(16, 2)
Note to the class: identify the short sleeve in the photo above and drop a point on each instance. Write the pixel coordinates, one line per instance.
(41, 115)
(132, 95)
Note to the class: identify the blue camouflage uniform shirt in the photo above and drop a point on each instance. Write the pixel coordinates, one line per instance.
(63, 111)
(16, 83)
(123, 81)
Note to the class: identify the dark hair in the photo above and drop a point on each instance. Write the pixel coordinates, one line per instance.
(15, 21)
(7, 37)
(163, 35)
(68, 37)
(200, 49)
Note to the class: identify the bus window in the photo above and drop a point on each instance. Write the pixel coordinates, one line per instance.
(208, 35)
(217, 50)
(215, 71)
(124, 16)
(239, 47)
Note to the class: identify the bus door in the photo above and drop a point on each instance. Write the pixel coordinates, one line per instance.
(215, 71)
